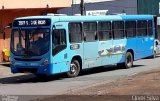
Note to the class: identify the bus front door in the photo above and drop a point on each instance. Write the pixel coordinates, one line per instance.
(59, 51)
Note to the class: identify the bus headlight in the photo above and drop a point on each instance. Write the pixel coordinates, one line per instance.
(45, 62)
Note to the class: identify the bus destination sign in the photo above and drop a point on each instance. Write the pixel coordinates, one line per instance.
(32, 22)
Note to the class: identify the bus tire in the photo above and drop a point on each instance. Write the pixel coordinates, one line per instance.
(128, 60)
(74, 69)
(128, 63)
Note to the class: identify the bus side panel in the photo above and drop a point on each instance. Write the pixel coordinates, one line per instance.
(60, 62)
(105, 52)
(140, 50)
(119, 47)
(60, 67)
(144, 47)
(76, 52)
(90, 54)
(131, 45)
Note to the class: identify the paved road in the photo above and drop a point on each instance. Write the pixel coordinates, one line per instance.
(14, 84)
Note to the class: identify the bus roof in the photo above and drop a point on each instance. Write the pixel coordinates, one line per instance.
(90, 18)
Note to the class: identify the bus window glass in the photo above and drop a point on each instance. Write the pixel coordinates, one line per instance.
(150, 33)
(118, 29)
(90, 29)
(19, 40)
(104, 31)
(75, 32)
(58, 41)
(31, 42)
(141, 28)
(130, 27)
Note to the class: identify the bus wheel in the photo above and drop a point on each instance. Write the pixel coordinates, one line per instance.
(128, 60)
(74, 69)
(128, 63)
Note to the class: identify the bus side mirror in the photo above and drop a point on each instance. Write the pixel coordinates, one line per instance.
(10, 25)
(4, 35)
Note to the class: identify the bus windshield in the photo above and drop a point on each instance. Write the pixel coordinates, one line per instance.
(30, 42)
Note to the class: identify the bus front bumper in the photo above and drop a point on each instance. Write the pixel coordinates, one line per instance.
(45, 69)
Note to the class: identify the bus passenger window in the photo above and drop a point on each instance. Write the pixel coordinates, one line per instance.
(150, 33)
(104, 31)
(130, 27)
(58, 41)
(90, 31)
(75, 32)
(118, 29)
(141, 28)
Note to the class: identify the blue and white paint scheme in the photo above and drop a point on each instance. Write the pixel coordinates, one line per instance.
(57, 59)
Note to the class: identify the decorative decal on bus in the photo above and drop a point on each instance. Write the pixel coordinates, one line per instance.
(57, 44)
(115, 49)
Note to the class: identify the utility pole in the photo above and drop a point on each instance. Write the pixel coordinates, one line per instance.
(82, 7)
(72, 7)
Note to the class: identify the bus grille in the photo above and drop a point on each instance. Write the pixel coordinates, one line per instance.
(19, 59)
(29, 70)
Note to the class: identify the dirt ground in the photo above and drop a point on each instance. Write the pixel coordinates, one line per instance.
(141, 87)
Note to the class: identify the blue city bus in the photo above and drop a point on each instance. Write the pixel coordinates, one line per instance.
(49, 44)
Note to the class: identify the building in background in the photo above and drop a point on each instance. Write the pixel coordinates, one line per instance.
(116, 7)
(112, 6)
(11, 9)
(150, 7)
